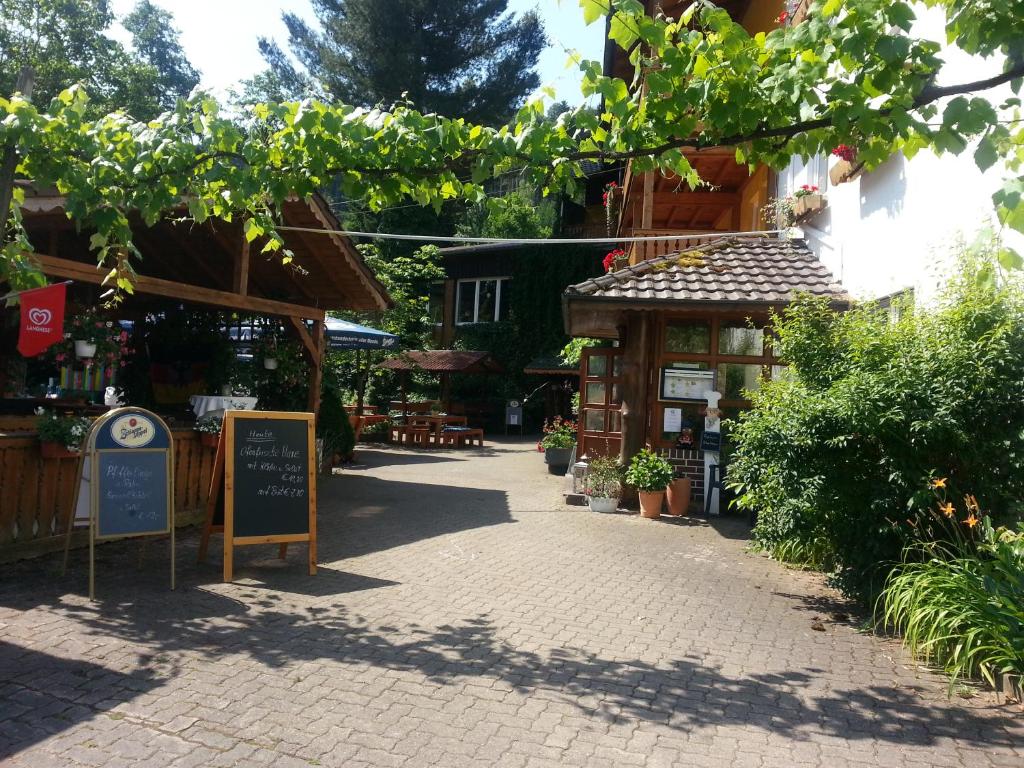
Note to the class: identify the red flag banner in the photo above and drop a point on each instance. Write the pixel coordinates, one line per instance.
(42, 319)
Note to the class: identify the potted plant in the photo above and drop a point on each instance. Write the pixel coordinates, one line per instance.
(267, 349)
(678, 496)
(650, 474)
(60, 437)
(558, 441)
(604, 484)
(209, 428)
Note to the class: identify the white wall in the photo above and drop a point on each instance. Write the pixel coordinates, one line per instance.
(894, 228)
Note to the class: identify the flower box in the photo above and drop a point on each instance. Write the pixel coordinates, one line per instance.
(52, 450)
(844, 171)
(209, 439)
(807, 205)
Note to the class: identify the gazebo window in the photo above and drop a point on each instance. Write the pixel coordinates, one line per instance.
(688, 338)
(483, 300)
(740, 339)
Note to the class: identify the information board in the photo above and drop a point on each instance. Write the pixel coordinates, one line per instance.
(686, 384)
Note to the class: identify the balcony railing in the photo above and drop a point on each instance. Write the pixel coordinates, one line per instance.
(652, 249)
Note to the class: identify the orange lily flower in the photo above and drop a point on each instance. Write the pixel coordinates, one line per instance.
(947, 509)
(939, 482)
(971, 521)
(972, 503)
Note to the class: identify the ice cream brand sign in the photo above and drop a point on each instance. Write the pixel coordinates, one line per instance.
(133, 431)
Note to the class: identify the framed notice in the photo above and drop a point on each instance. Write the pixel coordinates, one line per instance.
(686, 384)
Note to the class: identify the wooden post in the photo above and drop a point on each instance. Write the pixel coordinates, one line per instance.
(240, 283)
(26, 78)
(319, 340)
(635, 364)
(647, 209)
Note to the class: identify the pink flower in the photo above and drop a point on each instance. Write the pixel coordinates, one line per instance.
(122, 363)
(99, 323)
(108, 372)
(124, 336)
(60, 357)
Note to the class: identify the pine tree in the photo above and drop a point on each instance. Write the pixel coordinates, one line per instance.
(469, 58)
(155, 41)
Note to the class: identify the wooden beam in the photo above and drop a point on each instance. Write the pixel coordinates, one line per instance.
(667, 199)
(647, 204)
(240, 284)
(302, 333)
(89, 273)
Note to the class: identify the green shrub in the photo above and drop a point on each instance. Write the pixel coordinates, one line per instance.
(333, 425)
(649, 472)
(962, 606)
(836, 457)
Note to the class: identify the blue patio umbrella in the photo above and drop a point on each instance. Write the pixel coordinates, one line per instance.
(342, 334)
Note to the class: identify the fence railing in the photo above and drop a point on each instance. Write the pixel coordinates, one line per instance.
(36, 493)
(652, 249)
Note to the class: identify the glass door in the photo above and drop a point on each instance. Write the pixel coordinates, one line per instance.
(600, 427)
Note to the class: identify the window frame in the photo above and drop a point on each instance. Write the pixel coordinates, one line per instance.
(499, 293)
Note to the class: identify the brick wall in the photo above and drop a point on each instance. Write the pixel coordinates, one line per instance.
(689, 464)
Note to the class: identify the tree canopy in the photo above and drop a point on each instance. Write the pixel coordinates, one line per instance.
(456, 57)
(851, 73)
(67, 42)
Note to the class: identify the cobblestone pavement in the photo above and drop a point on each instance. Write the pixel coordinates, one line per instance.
(464, 616)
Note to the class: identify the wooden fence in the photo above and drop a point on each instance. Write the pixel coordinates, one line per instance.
(36, 493)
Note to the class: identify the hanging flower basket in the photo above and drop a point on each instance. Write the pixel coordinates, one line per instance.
(270, 363)
(85, 350)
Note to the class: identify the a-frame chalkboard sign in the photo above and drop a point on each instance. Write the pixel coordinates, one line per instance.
(126, 486)
(266, 461)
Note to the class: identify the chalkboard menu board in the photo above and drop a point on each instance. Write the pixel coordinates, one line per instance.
(131, 492)
(268, 462)
(126, 482)
(271, 459)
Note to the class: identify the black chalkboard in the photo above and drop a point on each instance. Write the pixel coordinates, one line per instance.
(270, 464)
(711, 441)
(131, 492)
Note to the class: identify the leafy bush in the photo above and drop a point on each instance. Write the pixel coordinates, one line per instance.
(649, 472)
(210, 425)
(835, 457)
(961, 605)
(604, 478)
(333, 425)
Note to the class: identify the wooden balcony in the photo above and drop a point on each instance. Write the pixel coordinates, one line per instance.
(680, 241)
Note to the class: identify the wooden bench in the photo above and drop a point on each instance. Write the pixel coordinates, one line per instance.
(459, 438)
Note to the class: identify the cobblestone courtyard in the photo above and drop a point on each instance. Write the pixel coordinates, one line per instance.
(463, 616)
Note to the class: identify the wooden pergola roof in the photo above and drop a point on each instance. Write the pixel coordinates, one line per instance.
(211, 263)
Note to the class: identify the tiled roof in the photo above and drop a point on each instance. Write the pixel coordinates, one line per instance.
(443, 361)
(741, 270)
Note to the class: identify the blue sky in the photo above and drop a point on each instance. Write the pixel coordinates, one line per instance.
(220, 36)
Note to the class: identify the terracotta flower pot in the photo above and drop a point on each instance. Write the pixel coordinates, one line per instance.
(209, 439)
(650, 503)
(51, 450)
(679, 496)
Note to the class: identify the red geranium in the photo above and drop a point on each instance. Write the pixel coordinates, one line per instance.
(846, 152)
(612, 260)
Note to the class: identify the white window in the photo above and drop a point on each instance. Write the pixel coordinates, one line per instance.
(485, 300)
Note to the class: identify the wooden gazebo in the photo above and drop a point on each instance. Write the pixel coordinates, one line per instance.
(182, 262)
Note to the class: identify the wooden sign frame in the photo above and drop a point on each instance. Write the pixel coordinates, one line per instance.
(94, 454)
(224, 467)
